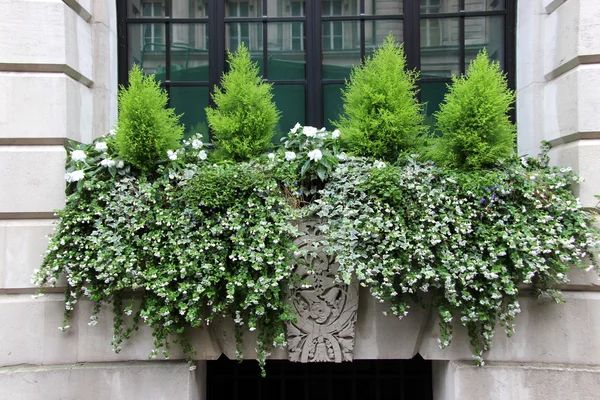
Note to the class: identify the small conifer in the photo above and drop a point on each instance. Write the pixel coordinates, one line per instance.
(245, 116)
(382, 117)
(146, 129)
(473, 119)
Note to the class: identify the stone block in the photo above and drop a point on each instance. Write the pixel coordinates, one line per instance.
(105, 12)
(545, 332)
(570, 37)
(45, 36)
(530, 51)
(44, 106)
(530, 119)
(32, 179)
(115, 381)
(582, 155)
(22, 244)
(571, 103)
(81, 7)
(454, 380)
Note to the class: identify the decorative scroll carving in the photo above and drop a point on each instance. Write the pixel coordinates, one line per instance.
(326, 308)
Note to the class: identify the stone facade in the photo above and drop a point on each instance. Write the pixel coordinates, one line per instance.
(59, 81)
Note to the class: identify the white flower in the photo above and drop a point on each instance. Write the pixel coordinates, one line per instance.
(120, 164)
(310, 131)
(172, 155)
(379, 164)
(202, 155)
(74, 176)
(315, 155)
(296, 127)
(78, 155)
(112, 132)
(101, 147)
(271, 156)
(290, 155)
(342, 156)
(107, 162)
(196, 144)
(335, 134)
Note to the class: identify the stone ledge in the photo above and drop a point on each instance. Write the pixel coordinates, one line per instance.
(126, 381)
(545, 332)
(455, 380)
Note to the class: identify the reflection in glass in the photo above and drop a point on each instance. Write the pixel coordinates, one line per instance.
(287, 59)
(189, 8)
(333, 106)
(189, 52)
(485, 32)
(291, 101)
(243, 8)
(483, 5)
(441, 6)
(148, 54)
(191, 101)
(145, 9)
(377, 31)
(287, 8)
(379, 7)
(440, 49)
(340, 52)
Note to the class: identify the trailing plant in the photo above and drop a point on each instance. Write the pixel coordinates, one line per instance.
(146, 129)
(476, 131)
(382, 117)
(198, 240)
(245, 116)
(465, 239)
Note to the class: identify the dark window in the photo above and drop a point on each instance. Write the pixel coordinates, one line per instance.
(357, 380)
(307, 48)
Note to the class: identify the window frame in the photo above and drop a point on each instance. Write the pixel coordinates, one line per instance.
(312, 43)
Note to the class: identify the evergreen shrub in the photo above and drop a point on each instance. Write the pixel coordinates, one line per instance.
(245, 116)
(146, 128)
(473, 119)
(382, 117)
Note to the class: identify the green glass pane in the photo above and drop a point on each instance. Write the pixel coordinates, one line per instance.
(287, 56)
(432, 95)
(440, 49)
(333, 106)
(146, 48)
(485, 32)
(341, 48)
(440, 6)
(189, 52)
(377, 31)
(291, 102)
(191, 101)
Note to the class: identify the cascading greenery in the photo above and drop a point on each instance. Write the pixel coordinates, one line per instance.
(176, 241)
(245, 116)
(382, 117)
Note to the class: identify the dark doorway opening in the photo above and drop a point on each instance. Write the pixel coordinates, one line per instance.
(358, 380)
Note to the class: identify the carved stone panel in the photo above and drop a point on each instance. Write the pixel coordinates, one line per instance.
(326, 308)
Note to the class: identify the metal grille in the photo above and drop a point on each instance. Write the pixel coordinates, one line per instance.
(358, 380)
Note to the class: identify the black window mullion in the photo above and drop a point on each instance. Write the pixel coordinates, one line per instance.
(314, 61)
(411, 30)
(265, 41)
(123, 39)
(461, 36)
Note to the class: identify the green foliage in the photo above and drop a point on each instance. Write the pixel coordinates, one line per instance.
(383, 118)
(473, 119)
(245, 116)
(467, 238)
(146, 129)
